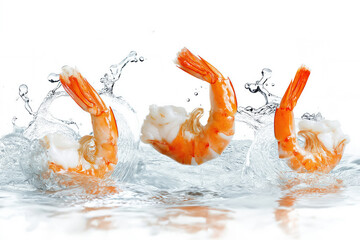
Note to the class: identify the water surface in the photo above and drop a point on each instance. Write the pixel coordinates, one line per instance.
(247, 192)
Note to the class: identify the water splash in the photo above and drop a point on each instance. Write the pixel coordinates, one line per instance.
(313, 117)
(260, 86)
(165, 193)
(115, 71)
(262, 158)
(23, 91)
(54, 78)
(52, 117)
(259, 117)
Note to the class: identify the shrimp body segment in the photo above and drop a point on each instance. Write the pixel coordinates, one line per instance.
(181, 136)
(91, 155)
(324, 140)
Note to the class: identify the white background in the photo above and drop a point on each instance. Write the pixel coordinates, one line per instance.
(240, 38)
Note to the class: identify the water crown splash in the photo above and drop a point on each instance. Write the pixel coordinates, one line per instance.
(258, 117)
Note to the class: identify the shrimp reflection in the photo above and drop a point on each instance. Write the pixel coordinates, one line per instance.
(295, 192)
(194, 219)
(102, 222)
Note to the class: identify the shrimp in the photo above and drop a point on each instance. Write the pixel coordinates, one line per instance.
(91, 155)
(324, 140)
(172, 132)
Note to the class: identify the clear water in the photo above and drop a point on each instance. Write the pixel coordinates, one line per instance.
(247, 192)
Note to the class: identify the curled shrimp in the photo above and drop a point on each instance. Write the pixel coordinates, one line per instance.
(171, 131)
(324, 140)
(91, 155)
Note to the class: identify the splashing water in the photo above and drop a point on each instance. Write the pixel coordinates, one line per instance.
(313, 117)
(113, 76)
(51, 117)
(259, 86)
(23, 91)
(259, 117)
(262, 160)
(247, 185)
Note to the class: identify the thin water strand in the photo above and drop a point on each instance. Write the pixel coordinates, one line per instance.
(115, 71)
(23, 93)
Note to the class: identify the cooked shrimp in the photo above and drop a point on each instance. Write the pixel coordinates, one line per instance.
(324, 140)
(91, 155)
(171, 131)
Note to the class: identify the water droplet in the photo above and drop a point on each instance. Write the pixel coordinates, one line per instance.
(319, 117)
(188, 99)
(196, 93)
(266, 73)
(249, 108)
(273, 84)
(132, 54)
(141, 59)
(23, 90)
(305, 116)
(13, 121)
(53, 77)
(252, 87)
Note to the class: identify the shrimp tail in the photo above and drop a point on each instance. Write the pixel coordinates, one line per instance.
(197, 66)
(81, 91)
(284, 125)
(295, 89)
